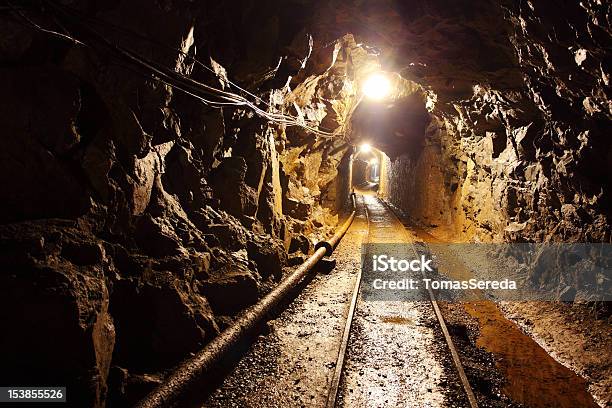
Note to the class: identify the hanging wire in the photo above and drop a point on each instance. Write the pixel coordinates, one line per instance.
(136, 34)
(179, 81)
(17, 11)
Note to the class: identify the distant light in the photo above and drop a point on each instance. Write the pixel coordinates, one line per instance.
(365, 148)
(377, 87)
(373, 162)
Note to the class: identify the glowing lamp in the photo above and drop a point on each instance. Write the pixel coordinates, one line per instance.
(365, 148)
(376, 87)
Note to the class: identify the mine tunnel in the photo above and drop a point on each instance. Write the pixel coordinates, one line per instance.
(365, 168)
(327, 203)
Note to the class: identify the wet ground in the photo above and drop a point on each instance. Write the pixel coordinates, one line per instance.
(524, 373)
(293, 365)
(396, 355)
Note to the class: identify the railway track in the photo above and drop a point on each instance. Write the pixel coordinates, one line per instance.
(390, 353)
(399, 355)
(376, 212)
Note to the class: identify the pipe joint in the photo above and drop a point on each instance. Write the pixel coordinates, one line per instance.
(324, 244)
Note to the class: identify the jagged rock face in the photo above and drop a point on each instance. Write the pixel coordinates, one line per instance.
(174, 216)
(55, 299)
(520, 95)
(138, 221)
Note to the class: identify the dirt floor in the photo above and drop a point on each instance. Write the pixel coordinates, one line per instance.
(397, 355)
(292, 365)
(571, 339)
(573, 336)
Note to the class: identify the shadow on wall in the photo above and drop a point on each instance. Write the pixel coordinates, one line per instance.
(395, 128)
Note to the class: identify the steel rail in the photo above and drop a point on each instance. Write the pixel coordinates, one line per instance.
(335, 383)
(196, 367)
(449, 341)
(456, 360)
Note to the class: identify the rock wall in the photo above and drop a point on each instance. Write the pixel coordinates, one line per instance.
(518, 93)
(421, 185)
(136, 221)
(541, 148)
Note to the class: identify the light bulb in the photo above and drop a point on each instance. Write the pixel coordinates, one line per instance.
(376, 87)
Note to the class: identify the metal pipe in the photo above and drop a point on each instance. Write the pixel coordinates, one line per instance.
(189, 371)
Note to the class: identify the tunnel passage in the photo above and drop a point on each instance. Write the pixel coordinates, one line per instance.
(415, 172)
(366, 168)
(163, 162)
(396, 127)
